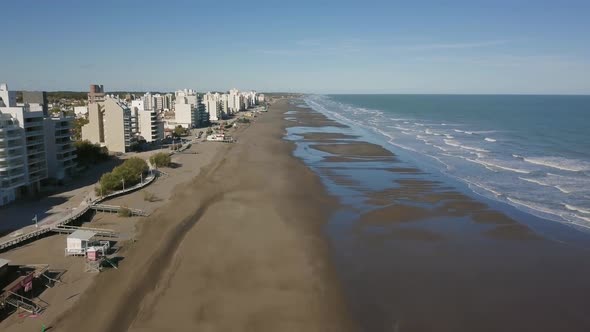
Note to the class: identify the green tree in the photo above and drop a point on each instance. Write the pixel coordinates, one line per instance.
(129, 173)
(160, 159)
(89, 154)
(180, 131)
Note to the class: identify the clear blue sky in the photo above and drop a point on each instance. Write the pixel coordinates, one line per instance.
(307, 46)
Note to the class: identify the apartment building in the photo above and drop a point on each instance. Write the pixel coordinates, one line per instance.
(12, 158)
(110, 124)
(61, 152)
(33, 147)
(213, 107)
(150, 126)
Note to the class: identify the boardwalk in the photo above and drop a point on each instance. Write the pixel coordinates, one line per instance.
(60, 219)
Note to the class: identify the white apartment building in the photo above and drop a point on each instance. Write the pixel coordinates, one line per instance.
(234, 101)
(32, 147)
(149, 125)
(212, 103)
(12, 158)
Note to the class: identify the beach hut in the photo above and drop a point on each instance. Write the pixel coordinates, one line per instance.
(78, 242)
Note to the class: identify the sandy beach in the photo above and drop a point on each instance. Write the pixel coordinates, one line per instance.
(237, 247)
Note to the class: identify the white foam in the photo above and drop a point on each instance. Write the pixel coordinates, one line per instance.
(559, 163)
(495, 165)
(465, 147)
(533, 206)
(490, 139)
(440, 147)
(578, 209)
(541, 183)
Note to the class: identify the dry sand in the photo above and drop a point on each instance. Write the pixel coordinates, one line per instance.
(233, 250)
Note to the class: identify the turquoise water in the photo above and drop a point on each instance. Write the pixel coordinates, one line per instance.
(532, 152)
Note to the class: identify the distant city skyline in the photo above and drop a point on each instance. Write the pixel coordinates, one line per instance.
(529, 47)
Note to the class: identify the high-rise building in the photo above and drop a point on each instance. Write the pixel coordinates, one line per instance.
(61, 152)
(33, 147)
(189, 110)
(150, 126)
(110, 124)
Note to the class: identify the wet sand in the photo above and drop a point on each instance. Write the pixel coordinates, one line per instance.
(415, 253)
(237, 249)
(353, 149)
(326, 136)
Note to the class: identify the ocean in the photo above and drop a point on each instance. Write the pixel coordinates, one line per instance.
(532, 152)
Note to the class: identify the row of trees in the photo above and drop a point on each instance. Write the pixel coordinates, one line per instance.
(125, 175)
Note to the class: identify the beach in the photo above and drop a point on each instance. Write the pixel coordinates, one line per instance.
(306, 225)
(237, 248)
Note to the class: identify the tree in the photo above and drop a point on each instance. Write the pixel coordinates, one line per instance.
(89, 154)
(129, 173)
(180, 131)
(160, 159)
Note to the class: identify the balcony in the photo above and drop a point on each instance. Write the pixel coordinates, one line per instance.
(10, 138)
(34, 132)
(66, 148)
(33, 122)
(8, 167)
(33, 142)
(63, 133)
(66, 157)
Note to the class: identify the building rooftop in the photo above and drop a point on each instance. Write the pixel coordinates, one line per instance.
(82, 235)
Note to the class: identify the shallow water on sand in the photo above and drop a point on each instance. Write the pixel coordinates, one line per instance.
(416, 252)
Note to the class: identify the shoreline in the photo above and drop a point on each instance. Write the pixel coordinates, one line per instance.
(415, 252)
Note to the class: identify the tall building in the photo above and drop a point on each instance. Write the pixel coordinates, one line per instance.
(189, 110)
(61, 152)
(30, 143)
(12, 158)
(168, 101)
(213, 106)
(234, 101)
(150, 126)
(158, 104)
(110, 124)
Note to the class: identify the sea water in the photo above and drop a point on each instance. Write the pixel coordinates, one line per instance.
(532, 152)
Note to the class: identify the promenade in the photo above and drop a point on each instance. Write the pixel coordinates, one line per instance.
(50, 222)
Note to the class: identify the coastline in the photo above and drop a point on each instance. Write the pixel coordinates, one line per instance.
(415, 252)
(238, 248)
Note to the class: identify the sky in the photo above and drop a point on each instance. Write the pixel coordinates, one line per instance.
(471, 47)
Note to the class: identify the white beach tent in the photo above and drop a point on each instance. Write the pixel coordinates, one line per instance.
(77, 242)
